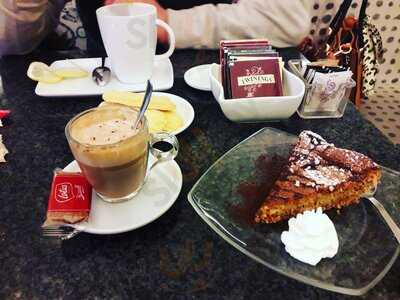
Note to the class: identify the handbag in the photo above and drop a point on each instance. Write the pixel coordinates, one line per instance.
(353, 43)
(372, 54)
(369, 54)
(331, 45)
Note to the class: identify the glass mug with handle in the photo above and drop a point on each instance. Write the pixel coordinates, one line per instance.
(129, 36)
(112, 154)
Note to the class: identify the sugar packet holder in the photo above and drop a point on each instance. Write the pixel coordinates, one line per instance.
(326, 96)
(258, 109)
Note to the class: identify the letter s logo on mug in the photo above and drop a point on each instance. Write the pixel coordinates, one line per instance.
(138, 35)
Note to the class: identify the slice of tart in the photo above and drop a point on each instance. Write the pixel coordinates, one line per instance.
(318, 174)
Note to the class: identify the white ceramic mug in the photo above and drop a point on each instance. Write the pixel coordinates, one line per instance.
(130, 38)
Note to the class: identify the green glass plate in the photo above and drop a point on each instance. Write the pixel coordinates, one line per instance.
(228, 194)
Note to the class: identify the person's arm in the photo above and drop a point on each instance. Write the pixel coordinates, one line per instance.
(25, 23)
(284, 23)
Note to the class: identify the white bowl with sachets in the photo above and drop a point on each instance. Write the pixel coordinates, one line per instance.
(259, 109)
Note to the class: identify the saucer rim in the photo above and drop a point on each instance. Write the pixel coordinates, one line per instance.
(73, 166)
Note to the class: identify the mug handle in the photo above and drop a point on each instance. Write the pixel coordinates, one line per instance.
(171, 40)
(163, 156)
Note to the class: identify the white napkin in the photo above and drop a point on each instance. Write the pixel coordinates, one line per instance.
(3, 150)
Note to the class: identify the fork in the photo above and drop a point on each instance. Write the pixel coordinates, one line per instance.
(61, 232)
(385, 215)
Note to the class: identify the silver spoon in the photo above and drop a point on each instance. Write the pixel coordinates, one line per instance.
(385, 215)
(145, 103)
(101, 75)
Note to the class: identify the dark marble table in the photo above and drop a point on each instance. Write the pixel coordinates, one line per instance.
(177, 256)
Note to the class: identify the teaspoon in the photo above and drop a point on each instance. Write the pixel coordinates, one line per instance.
(145, 103)
(101, 75)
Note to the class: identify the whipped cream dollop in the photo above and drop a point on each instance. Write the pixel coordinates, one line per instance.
(311, 237)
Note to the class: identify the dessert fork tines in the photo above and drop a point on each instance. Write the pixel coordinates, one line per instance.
(60, 232)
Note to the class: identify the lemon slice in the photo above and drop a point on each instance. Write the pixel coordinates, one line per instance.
(70, 73)
(41, 72)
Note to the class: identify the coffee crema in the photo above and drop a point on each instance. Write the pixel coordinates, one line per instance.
(105, 133)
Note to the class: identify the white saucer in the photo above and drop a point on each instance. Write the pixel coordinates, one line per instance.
(198, 77)
(157, 195)
(163, 79)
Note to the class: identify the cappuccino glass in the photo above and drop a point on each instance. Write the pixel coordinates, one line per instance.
(111, 153)
(129, 36)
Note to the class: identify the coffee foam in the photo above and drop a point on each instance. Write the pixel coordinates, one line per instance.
(106, 137)
(104, 133)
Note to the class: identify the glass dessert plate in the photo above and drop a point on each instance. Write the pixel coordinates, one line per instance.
(227, 195)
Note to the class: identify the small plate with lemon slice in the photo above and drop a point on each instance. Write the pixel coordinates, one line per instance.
(166, 112)
(72, 78)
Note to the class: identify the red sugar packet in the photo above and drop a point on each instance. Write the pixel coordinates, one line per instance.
(69, 200)
(4, 114)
